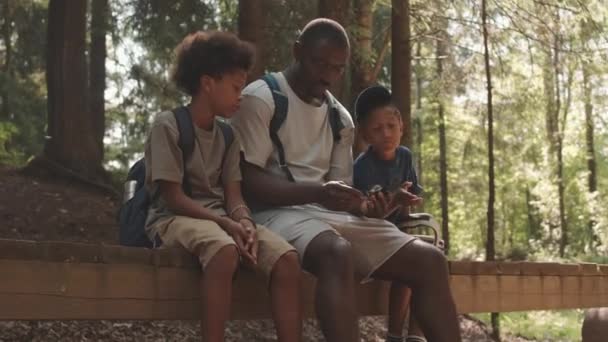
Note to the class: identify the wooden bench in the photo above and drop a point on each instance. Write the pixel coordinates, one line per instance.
(58, 280)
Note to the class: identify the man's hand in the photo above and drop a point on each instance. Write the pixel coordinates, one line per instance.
(378, 205)
(339, 196)
(244, 239)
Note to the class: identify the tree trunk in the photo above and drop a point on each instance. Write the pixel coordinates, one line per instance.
(490, 252)
(8, 52)
(251, 28)
(589, 141)
(71, 143)
(362, 68)
(401, 65)
(97, 69)
(418, 114)
(443, 155)
(559, 137)
(340, 11)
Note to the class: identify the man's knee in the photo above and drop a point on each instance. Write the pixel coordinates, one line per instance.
(329, 252)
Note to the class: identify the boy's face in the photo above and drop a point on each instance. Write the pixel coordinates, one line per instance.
(383, 129)
(225, 92)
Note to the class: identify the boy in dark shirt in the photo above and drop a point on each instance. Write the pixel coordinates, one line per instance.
(386, 170)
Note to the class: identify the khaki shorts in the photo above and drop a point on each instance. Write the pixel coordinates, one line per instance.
(205, 238)
(373, 241)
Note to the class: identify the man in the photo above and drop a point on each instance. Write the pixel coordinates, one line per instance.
(316, 211)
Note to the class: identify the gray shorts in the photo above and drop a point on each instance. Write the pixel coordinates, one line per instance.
(374, 241)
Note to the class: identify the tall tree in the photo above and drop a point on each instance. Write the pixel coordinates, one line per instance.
(8, 53)
(401, 65)
(362, 68)
(97, 69)
(251, 25)
(440, 44)
(490, 252)
(340, 11)
(71, 144)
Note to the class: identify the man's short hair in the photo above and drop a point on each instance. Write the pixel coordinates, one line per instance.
(371, 99)
(323, 28)
(211, 53)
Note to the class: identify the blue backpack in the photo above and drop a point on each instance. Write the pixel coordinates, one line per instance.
(134, 211)
(280, 114)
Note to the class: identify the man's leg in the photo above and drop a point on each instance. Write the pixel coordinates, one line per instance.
(329, 257)
(398, 309)
(285, 297)
(424, 268)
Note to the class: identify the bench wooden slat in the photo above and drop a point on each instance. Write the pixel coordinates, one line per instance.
(67, 281)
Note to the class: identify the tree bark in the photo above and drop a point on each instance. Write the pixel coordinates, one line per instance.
(490, 243)
(443, 155)
(97, 69)
(590, 146)
(8, 47)
(340, 11)
(251, 25)
(418, 114)
(71, 141)
(401, 65)
(361, 62)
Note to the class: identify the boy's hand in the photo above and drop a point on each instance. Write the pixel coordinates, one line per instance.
(406, 198)
(242, 238)
(339, 196)
(253, 234)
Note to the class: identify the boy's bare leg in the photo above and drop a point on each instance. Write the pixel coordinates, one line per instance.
(329, 257)
(398, 307)
(432, 300)
(414, 327)
(285, 296)
(216, 287)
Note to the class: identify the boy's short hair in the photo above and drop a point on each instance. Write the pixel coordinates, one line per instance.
(323, 28)
(370, 99)
(211, 53)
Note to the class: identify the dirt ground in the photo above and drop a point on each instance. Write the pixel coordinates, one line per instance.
(48, 208)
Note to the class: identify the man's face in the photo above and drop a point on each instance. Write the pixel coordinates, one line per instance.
(322, 64)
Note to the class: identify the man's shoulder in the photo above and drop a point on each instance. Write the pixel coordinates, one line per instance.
(345, 116)
(259, 89)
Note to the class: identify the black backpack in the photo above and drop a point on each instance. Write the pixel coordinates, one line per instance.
(280, 114)
(133, 213)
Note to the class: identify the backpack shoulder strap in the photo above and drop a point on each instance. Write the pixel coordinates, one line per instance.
(228, 135)
(185, 140)
(279, 116)
(333, 112)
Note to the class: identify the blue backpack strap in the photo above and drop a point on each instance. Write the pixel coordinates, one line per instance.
(185, 141)
(334, 116)
(279, 116)
(228, 135)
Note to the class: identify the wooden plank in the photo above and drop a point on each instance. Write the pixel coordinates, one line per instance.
(63, 290)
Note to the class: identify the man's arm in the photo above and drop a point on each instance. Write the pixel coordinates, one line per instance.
(266, 188)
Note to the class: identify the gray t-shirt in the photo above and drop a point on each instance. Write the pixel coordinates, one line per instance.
(205, 171)
(310, 152)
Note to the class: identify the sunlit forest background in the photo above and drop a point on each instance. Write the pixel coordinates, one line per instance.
(80, 84)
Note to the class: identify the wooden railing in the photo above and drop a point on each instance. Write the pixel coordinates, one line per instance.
(57, 280)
